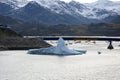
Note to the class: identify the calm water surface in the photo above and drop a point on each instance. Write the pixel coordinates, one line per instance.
(18, 65)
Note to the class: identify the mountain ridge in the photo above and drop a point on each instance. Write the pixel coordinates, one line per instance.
(59, 12)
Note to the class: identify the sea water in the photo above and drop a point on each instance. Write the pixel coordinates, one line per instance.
(18, 65)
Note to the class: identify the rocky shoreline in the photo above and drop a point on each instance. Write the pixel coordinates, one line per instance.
(17, 43)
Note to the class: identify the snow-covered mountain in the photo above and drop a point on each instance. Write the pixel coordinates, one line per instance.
(99, 10)
(5, 8)
(33, 12)
(102, 9)
(15, 3)
(105, 4)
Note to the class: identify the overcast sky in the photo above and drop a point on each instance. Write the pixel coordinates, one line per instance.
(85, 1)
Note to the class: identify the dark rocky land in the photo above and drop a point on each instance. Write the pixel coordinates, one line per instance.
(10, 40)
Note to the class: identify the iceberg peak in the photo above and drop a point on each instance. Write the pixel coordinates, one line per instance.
(61, 42)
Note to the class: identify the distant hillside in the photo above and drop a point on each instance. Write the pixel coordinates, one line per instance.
(6, 32)
(116, 20)
(14, 24)
(10, 40)
(35, 29)
(105, 29)
(56, 30)
(101, 29)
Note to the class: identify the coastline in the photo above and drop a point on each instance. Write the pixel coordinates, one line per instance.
(17, 43)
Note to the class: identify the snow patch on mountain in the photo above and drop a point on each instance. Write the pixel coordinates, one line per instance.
(105, 4)
(102, 9)
(15, 3)
(96, 10)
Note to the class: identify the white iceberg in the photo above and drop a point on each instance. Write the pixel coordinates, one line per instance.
(60, 49)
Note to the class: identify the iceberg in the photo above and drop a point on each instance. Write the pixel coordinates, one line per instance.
(60, 49)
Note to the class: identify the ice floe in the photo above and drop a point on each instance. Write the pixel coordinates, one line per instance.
(60, 49)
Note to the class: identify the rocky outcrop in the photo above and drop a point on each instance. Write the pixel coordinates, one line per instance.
(21, 43)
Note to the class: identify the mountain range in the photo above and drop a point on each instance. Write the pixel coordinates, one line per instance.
(54, 12)
(58, 18)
